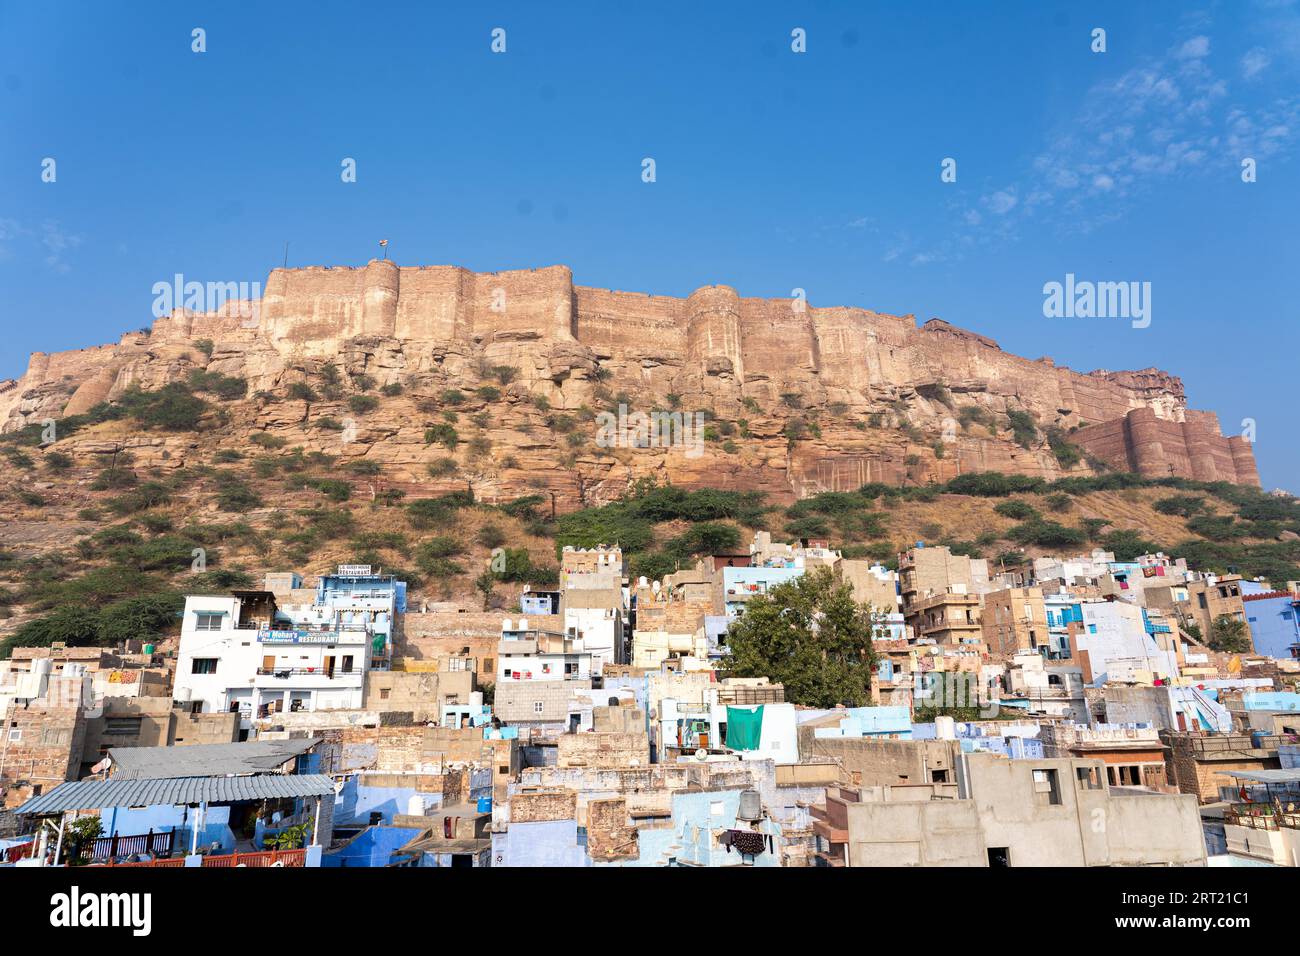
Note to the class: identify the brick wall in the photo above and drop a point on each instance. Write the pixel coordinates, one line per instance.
(610, 833)
(40, 749)
(603, 750)
(518, 700)
(537, 807)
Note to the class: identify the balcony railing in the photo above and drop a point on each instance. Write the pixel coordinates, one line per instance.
(269, 858)
(112, 847)
(1227, 746)
(1260, 817)
(287, 672)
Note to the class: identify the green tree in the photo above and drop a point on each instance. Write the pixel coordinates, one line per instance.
(290, 838)
(78, 837)
(485, 584)
(809, 635)
(1229, 635)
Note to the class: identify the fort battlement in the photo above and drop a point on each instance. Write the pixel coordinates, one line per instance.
(714, 348)
(1153, 447)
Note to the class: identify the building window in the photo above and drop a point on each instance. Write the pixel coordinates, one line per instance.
(207, 621)
(15, 734)
(537, 707)
(203, 665)
(122, 726)
(999, 856)
(1089, 778)
(1047, 792)
(383, 693)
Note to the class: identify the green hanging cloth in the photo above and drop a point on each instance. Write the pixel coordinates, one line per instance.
(744, 727)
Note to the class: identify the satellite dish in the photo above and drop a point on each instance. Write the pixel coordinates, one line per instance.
(701, 754)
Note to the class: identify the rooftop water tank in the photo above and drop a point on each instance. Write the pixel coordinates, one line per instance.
(751, 806)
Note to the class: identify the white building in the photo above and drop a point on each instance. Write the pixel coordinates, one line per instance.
(528, 654)
(595, 619)
(1077, 570)
(245, 653)
(1114, 638)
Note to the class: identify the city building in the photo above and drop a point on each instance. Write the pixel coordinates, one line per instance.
(1011, 813)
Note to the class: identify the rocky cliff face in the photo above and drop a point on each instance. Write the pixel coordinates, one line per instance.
(799, 399)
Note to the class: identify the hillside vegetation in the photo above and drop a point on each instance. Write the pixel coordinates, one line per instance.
(96, 547)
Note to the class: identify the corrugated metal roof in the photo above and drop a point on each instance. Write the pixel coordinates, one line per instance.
(205, 760)
(1266, 776)
(156, 791)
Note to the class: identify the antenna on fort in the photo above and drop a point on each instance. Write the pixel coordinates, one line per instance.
(383, 244)
(286, 255)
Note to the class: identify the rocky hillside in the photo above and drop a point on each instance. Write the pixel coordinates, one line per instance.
(98, 541)
(419, 419)
(520, 382)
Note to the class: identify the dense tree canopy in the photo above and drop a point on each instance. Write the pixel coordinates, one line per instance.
(1229, 635)
(811, 636)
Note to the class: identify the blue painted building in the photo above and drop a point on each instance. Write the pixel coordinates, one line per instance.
(704, 832)
(372, 847)
(360, 596)
(1062, 609)
(893, 722)
(541, 843)
(741, 584)
(1274, 620)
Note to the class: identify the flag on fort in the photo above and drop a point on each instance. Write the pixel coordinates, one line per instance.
(383, 242)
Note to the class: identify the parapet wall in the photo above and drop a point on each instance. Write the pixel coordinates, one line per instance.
(787, 343)
(754, 360)
(745, 345)
(313, 309)
(1153, 447)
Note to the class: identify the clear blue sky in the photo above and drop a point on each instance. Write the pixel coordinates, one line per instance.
(775, 170)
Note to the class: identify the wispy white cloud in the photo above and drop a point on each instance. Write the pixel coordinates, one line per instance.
(1194, 48)
(1255, 62)
(1172, 119)
(49, 240)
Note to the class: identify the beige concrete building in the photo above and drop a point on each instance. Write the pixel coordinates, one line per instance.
(872, 762)
(1198, 763)
(1208, 599)
(1133, 756)
(871, 584)
(947, 618)
(1015, 813)
(419, 693)
(1014, 620)
(926, 571)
